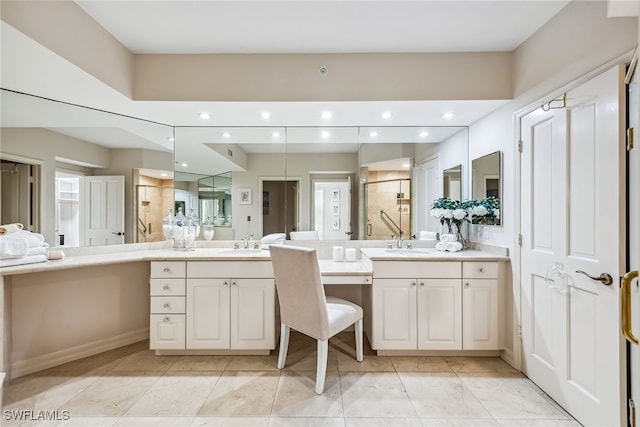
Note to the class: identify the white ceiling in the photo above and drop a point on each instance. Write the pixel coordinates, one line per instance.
(303, 26)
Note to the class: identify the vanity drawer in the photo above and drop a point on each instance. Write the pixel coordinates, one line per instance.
(346, 280)
(229, 269)
(480, 270)
(167, 305)
(160, 269)
(413, 269)
(167, 287)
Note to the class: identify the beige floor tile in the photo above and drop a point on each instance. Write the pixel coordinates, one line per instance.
(112, 395)
(154, 422)
(511, 396)
(146, 361)
(466, 422)
(538, 423)
(296, 396)
(200, 363)
(178, 394)
(89, 422)
(383, 422)
(441, 395)
(253, 363)
(305, 359)
(375, 395)
(420, 364)
(230, 422)
(347, 363)
(239, 393)
(479, 364)
(44, 392)
(306, 422)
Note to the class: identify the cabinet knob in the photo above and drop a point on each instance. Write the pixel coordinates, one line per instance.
(413, 283)
(366, 280)
(225, 283)
(481, 269)
(234, 284)
(466, 285)
(165, 287)
(166, 305)
(166, 269)
(166, 320)
(421, 283)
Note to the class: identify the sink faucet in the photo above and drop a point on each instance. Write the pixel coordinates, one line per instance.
(398, 241)
(246, 241)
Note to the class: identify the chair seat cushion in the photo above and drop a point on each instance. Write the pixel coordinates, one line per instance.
(341, 314)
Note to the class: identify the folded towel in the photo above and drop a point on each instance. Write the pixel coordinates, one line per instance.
(446, 238)
(31, 259)
(33, 240)
(440, 246)
(10, 228)
(12, 248)
(275, 238)
(453, 246)
(428, 235)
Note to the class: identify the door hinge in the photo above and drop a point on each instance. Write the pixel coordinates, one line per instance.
(630, 139)
(519, 239)
(632, 413)
(520, 145)
(520, 333)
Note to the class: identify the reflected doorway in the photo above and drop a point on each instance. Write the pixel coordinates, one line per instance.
(68, 209)
(20, 194)
(279, 206)
(331, 207)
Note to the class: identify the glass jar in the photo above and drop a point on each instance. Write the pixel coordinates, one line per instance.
(208, 229)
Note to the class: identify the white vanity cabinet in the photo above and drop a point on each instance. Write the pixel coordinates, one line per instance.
(167, 305)
(480, 314)
(230, 305)
(435, 305)
(416, 305)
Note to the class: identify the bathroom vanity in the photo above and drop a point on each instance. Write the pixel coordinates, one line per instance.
(222, 301)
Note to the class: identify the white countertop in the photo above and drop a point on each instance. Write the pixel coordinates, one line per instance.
(327, 267)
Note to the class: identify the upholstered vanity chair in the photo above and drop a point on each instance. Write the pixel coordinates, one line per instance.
(304, 235)
(304, 307)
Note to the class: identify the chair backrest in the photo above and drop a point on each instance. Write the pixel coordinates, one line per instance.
(304, 235)
(303, 305)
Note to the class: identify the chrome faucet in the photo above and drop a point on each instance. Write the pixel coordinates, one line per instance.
(246, 241)
(399, 242)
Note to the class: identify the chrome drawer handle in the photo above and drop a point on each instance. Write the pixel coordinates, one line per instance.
(166, 269)
(481, 269)
(166, 320)
(166, 305)
(166, 287)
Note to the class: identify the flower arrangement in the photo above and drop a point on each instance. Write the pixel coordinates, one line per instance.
(485, 211)
(453, 213)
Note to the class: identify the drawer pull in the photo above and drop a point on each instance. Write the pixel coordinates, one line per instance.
(466, 285)
(166, 305)
(413, 283)
(234, 284)
(166, 270)
(366, 280)
(166, 320)
(421, 283)
(166, 287)
(225, 283)
(481, 269)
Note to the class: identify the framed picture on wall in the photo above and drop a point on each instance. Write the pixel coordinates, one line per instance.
(335, 224)
(244, 196)
(335, 195)
(335, 208)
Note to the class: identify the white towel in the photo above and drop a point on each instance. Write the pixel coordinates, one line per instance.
(10, 228)
(453, 246)
(275, 238)
(31, 259)
(446, 238)
(33, 240)
(12, 248)
(428, 235)
(441, 246)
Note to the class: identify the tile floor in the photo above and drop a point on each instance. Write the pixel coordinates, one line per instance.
(131, 386)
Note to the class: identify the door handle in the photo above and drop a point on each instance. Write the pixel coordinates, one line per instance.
(369, 229)
(348, 233)
(605, 278)
(625, 306)
(118, 233)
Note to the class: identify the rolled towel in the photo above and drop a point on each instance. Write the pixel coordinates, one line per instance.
(12, 248)
(440, 246)
(10, 228)
(448, 238)
(428, 235)
(454, 246)
(274, 238)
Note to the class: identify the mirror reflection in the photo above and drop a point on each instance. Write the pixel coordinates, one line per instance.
(452, 183)
(486, 178)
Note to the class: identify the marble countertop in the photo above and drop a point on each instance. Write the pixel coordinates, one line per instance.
(327, 267)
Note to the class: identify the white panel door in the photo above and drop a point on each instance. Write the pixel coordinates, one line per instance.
(252, 314)
(439, 314)
(428, 187)
(394, 324)
(572, 202)
(208, 314)
(104, 210)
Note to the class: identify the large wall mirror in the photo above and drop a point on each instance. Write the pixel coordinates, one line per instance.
(83, 160)
(487, 177)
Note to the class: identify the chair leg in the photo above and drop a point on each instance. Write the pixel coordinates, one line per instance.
(359, 341)
(284, 345)
(321, 365)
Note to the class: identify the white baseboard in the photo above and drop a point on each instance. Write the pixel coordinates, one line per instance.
(507, 356)
(38, 363)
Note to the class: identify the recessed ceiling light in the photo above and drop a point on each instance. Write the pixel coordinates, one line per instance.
(184, 165)
(325, 134)
(205, 116)
(405, 165)
(327, 115)
(276, 134)
(424, 134)
(447, 116)
(386, 115)
(164, 174)
(226, 134)
(373, 134)
(265, 115)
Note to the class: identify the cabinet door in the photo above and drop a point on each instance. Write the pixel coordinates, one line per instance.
(480, 314)
(253, 314)
(166, 332)
(439, 314)
(208, 313)
(394, 314)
